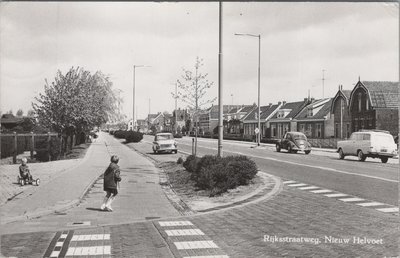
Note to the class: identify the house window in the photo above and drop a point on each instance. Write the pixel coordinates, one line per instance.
(309, 130)
(347, 130)
(319, 130)
(359, 102)
(280, 130)
(302, 128)
(273, 130)
(366, 103)
(309, 112)
(337, 130)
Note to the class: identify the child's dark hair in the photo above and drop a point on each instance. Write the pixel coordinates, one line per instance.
(114, 159)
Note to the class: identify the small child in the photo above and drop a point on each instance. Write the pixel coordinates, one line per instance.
(111, 179)
(24, 170)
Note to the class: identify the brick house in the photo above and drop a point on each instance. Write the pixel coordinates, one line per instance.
(283, 121)
(315, 121)
(208, 119)
(341, 113)
(235, 118)
(375, 105)
(250, 122)
(156, 121)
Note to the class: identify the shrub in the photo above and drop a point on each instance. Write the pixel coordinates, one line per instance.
(120, 134)
(179, 161)
(178, 135)
(131, 136)
(190, 163)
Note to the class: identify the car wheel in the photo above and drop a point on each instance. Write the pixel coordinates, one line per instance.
(361, 156)
(278, 148)
(37, 181)
(384, 159)
(307, 152)
(341, 154)
(294, 151)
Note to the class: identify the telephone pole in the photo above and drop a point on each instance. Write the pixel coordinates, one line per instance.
(323, 83)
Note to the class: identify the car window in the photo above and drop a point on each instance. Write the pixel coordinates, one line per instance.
(366, 137)
(299, 137)
(163, 137)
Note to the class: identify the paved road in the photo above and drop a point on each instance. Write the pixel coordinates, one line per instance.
(370, 180)
(296, 223)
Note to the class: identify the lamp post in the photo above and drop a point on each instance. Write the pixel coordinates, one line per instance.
(259, 64)
(133, 106)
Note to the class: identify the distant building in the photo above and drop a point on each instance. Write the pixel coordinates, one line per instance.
(250, 122)
(375, 105)
(235, 117)
(341, 113)
(9, 121)
(179, 116)
(314, 120)
(155, 121)
(208, 119)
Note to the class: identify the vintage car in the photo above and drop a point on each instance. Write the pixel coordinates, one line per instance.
(165, 142)
(294, 142)
(368, 143)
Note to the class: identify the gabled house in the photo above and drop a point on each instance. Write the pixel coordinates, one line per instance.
(235, 116)
(314, 120)
(375, 105)
(208, 119)
(155, 121)
(341, 113)
(9, 121)
(250, 122)
(283, 121)
(179, 117)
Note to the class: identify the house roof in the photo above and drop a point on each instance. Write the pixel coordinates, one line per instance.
(322, 105)
(265, 111)
(214, 110)
(295, 108)
(10, 119)
(383, 94)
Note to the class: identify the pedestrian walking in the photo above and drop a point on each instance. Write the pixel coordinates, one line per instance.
(111, 183)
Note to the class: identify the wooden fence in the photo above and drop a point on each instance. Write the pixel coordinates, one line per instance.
(23, 142)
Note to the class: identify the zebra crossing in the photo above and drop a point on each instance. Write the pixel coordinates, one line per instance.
(189, 241)
(382, 207)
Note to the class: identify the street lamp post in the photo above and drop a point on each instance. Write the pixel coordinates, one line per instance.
(133, 106)
(259, 65)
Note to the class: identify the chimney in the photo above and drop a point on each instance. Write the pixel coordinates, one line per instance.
(283, 103)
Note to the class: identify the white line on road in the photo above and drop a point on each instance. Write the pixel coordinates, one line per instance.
(394, 209)
(297, 185)
(336, 195)
(322, 191)
(309, 187)
(289, 182)
(89, 250)
(370, 204)
(175, 223)
(355, 199)
(184, 232)
(208, 256)
(195, 245)
(91, 237)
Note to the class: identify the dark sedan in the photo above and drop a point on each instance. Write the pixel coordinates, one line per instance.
(294, 142)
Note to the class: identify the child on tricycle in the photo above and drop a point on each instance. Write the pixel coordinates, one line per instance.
(25, 176)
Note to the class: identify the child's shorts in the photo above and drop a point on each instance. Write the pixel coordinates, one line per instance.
(111, 191)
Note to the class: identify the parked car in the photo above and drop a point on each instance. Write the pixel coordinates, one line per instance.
(294, 142)
(363, 144)
(165, 142)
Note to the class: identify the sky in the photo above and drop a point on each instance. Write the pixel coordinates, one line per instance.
(298, 41)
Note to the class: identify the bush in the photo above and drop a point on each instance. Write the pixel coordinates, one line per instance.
(131, 136)
(220, 174)
(44, 153)
(178, 135)
(190, 163)
(179, 161)
(120, 134)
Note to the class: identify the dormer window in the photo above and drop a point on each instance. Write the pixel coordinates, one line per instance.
(309, 112)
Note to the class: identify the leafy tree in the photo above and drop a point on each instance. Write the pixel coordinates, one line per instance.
(76, 102)
(20, 113)
(192, 89)
(31, 113)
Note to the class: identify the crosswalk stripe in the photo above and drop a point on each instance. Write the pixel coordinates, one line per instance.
(322, 191)
(289, 182)
(55, 254)
(296, 185)
(175, 223)
(208, 256)
(393, 209)
(94, 237)
(370, 204)
(308, 188)
(355, 199)
(184, 232)
(89, 250)
(336, 195)
(195, 245)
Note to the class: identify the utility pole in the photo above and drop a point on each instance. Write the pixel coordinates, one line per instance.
(220, 102)
(323, 83)
(176, 107)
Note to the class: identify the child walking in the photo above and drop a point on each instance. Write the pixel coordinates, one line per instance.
(111, 179)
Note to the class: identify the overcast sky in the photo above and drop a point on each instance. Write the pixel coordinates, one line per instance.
(298, 41)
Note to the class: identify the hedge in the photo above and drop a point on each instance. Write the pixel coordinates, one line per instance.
(131, 136)
(220, 174)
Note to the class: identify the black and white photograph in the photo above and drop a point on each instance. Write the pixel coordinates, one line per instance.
(203, 129)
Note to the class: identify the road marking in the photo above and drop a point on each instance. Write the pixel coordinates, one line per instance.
(296, 185)
(336, 195)
(91, 237)
(370, 204)
(89, 250)
(175, 223)
(208, 256)
(387, 210)
(184, 232)
(289, 182)
(355, 199)
(322, 191)
(195, 245)
(309, 187)
(55, 254)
